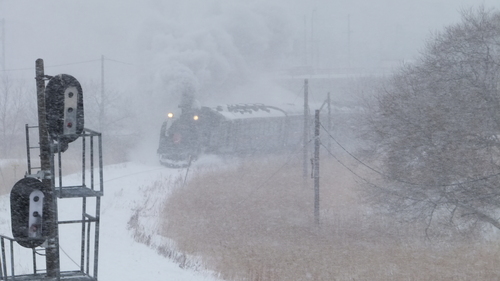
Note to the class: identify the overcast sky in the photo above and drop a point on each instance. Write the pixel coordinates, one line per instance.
(215, 46)
(322, 33)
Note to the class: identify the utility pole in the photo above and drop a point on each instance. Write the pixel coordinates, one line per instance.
(305, 41)
(52, 249)
(306, 129)
(316, 167)
(3, 43)
(328, 100)
(312, 47)
(103, 98)
(349, 39)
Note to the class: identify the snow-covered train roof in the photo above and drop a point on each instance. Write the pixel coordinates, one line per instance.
(242, 111)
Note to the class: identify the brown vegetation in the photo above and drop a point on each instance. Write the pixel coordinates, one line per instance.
(255, 222)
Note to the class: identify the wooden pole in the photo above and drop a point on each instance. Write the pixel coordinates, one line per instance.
(52, 250)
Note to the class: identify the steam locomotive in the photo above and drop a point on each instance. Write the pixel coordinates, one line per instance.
(238, 129)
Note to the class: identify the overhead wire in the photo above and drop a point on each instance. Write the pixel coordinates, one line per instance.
(71, 63)
(290, 156)
(67, 255)
(117, 61)
(400, 180)
(49, 66)
(350, 154)
(345, 166)
(298, 94)
(67, 64)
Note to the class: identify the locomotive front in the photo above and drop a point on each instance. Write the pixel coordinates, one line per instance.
(180, 139)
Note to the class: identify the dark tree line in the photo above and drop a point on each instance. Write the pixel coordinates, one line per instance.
(437, 126)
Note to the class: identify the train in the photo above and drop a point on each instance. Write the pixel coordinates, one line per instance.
(231, 129)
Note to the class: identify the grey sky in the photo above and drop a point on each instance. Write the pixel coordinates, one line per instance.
(216, 45)
(71, 31)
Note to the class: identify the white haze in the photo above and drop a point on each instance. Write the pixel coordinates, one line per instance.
(224, 51)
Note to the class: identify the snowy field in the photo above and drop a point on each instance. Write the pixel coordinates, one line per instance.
(128, 187)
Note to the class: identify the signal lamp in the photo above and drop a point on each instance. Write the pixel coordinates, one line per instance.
(170, 115)
(195, 117)
(64, 108)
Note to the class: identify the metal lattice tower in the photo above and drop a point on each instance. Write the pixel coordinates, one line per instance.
(43, 225)
(86, 193)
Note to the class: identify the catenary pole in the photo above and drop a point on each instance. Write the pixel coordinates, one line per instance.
(316, 167)
(306, 127)
(52, 249)
(103, 98)
(349, 40)
(3, 43)
(328, 100)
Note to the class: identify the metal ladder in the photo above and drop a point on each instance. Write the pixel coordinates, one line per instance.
(29, 148)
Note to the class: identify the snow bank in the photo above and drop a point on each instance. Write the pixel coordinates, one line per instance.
(132, 192)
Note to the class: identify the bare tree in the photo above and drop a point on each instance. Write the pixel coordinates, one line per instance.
(111, 113)
(437, 126)
(16, 109)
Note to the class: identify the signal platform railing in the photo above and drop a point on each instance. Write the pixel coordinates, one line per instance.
(15, 261)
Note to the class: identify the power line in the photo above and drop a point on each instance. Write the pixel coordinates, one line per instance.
(357, 175)
(67, 255)
(67, 64)
(299, 93)
(345, 166)
(350, 154)
(72, 63)
(57, 65)
(117, 61)
(396, 179)
(17, 69)
(289, 158)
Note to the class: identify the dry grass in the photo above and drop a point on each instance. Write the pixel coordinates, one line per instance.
(255, 222)
(11, 171)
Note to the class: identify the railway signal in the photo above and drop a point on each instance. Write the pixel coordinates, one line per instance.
(29, 212)
(33, 199)
(64, 108)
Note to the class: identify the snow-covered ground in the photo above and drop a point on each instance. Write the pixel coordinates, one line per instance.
(129, 188)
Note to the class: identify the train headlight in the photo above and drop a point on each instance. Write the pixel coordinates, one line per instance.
(170, 115)
(195, 117)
